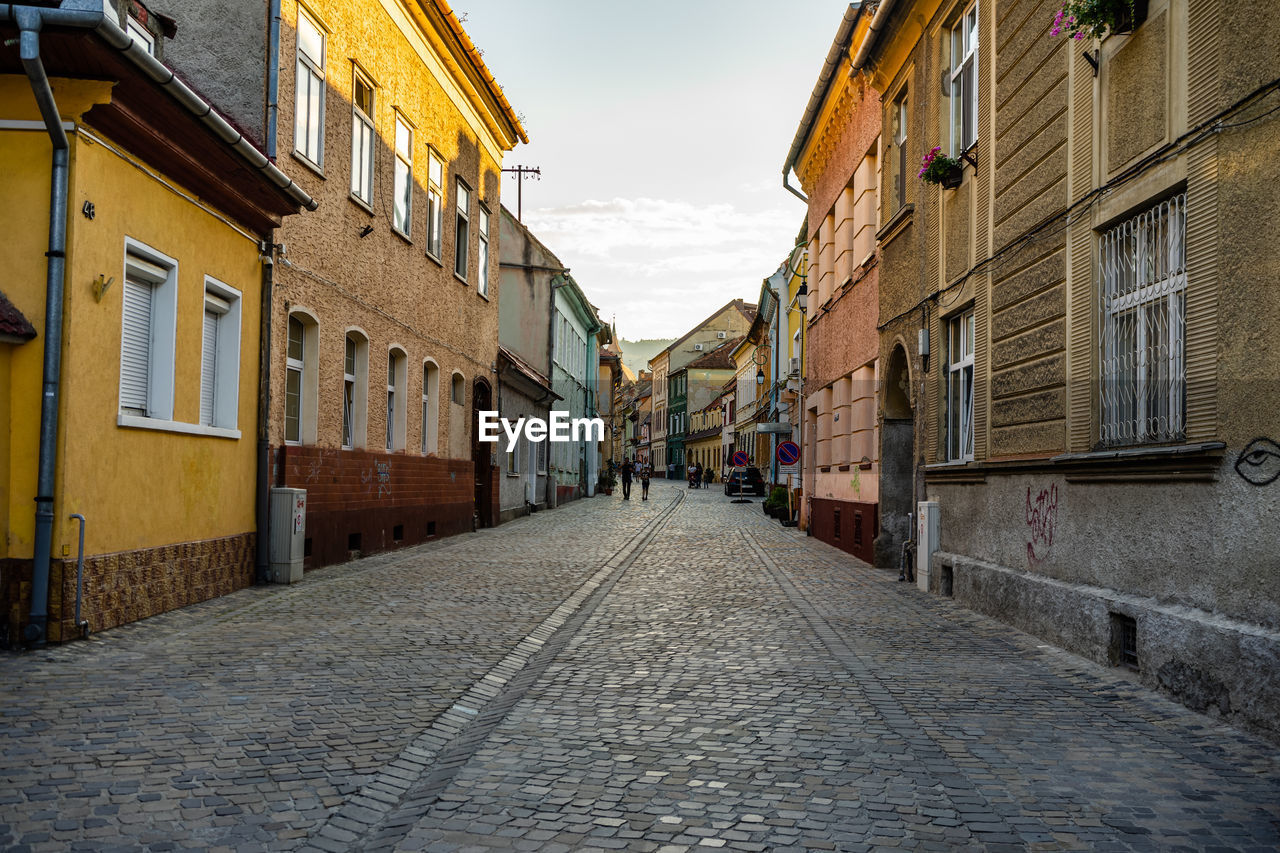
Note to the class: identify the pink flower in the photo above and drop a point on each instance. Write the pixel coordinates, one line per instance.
(1079, 36)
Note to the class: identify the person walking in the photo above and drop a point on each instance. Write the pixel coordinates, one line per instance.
(627, 469)
(708, 476)
(644, 482)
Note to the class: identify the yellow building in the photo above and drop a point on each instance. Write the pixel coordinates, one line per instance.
(149, 401)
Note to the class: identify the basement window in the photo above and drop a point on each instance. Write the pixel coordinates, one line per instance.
(1124, 641)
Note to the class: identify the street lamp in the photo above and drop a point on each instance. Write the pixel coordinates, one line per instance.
(760, 376)
(802, 297)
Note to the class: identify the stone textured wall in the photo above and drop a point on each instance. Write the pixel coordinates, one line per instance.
(127, 586)
(384, 284)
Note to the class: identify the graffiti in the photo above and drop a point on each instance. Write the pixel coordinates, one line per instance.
(379, 477)
(316, 467)
(1041, 516)
(1259, 462)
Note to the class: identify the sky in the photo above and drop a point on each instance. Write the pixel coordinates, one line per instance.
(661, 128)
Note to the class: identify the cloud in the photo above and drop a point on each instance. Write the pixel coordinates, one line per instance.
(662, 265)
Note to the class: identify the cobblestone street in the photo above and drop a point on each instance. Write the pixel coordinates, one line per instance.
(671, 675)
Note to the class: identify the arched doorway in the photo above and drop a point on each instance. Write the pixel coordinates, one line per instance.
(897, 443)
(482, 454)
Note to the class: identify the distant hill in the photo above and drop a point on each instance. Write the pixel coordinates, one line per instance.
(636, 354)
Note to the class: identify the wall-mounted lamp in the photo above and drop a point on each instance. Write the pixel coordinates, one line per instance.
(802, 296)
(760, 376)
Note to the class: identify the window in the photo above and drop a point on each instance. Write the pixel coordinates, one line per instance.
(430, 406)
(148, 333)
(542, 457)
(308, 115)
(220, 356)
(964, 81)
(462, 239)
(355, 393)
(395, 400)
(458, 391)
(900, 147)
(960, 387)
(403, 202)
(362, 139)
(483, 284)
(513, 459)
(1142, 266)
(435, 203)
(301, 380)
(140, 34)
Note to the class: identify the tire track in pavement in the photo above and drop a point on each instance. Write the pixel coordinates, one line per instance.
(384, 810)
(953, 784)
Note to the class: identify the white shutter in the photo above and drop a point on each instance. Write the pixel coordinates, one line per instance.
(135, 351)
(208, 367)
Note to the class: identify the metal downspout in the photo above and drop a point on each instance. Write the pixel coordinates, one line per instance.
(29, 24)
(262, 564)
(273, 76)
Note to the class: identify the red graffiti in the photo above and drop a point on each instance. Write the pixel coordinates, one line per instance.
(1041, 517)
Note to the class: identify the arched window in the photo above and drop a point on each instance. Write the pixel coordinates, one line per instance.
(430, 406)
(397, 405)
(355, 390)
(301, 378)
(459, 391)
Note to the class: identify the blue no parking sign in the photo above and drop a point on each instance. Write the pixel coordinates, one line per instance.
(741, 459)
(788, 453)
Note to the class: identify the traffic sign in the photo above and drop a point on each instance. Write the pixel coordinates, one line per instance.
(788, 452)
(741, 459)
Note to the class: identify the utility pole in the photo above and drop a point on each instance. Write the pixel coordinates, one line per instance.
(522, 172)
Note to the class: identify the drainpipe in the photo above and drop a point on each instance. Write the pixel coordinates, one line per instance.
(273, 76)
(29, 24)
(563, 276)
(262, 507)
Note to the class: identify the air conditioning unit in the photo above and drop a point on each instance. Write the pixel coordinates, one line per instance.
(794, 367)
(288, 527)
(722, 335)
(698, 347)
(928, 522)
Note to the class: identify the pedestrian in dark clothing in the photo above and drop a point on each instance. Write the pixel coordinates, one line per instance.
(707, 476)
(644, 482)
(627, 468)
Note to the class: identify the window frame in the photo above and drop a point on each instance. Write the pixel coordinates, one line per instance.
(308, 372)
(363, 122)
(159, 272)
(309, 65)
(430, 439)
(226, 367)
(457, 389)
(435, 205)
(482, 263)
(403, 170)
(901, 120)
(959, 379)
(397, 379)
(964, 68)
(462, 230)
(355, 391)
(1129, 423)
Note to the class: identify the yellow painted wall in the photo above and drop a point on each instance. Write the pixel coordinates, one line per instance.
(138, 488)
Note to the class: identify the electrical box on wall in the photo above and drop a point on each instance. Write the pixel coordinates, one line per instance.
(923, 344)
(928, 521)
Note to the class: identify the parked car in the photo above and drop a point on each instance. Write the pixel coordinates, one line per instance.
(746, 481)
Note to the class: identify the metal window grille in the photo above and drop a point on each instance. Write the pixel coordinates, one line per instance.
(1142, 265)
